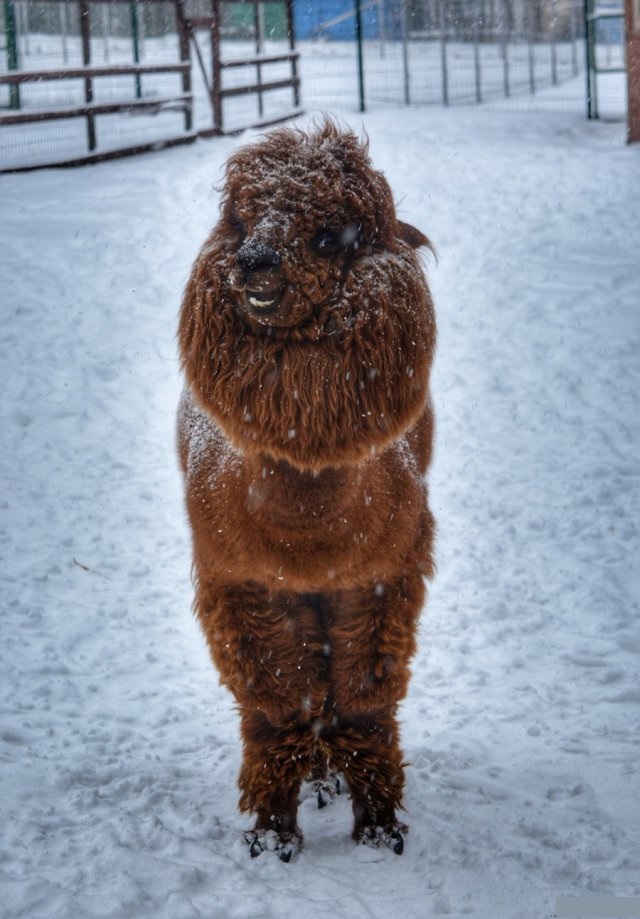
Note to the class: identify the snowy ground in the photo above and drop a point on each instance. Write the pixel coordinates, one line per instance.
(119, 751)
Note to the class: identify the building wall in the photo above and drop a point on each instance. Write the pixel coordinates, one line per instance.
(467, 19)
(333, 19)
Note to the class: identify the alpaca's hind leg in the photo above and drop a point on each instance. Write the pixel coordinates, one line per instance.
(276, 760)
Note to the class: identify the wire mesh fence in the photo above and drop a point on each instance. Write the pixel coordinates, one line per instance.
(449, 51)
(48, 36)
(70, 57)
(436, 71)
(519, 54)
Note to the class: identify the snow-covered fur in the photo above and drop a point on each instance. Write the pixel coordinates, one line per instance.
(306, 338)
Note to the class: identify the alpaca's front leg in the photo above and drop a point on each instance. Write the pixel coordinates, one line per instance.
(367, 751)
(372, 641)
(276, 760)
(271, 652)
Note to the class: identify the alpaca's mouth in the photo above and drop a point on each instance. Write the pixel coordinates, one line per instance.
(262, 302)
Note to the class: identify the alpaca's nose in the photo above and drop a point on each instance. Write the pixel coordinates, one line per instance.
(254, 254)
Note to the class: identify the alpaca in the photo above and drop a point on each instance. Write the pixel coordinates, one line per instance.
(305, 428)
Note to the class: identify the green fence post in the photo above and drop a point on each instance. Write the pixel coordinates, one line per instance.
(85, 35)
(12, 50)
(359, 42)
(589, 25)
(135, 36)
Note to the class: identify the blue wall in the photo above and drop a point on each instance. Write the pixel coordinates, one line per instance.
(310, 16)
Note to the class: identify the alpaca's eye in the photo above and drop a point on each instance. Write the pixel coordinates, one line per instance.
(236, 226)
(327, 242)
(330, 242)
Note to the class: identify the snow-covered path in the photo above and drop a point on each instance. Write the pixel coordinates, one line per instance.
(119, 751)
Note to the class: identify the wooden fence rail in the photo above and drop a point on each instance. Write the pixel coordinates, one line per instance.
(90, 109)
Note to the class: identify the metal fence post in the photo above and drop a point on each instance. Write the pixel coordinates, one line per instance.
(216, 69)
(532, 57)
(443, 55)
(85, 32)
(12, 50)
(405, 52)
(358, 11)
(476, 63)
(505, 53)
(135, 37)
(592, 105)
(553, 40)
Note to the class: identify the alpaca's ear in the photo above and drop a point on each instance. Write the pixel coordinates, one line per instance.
(412, 236)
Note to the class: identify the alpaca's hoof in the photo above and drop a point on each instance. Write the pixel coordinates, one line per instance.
(285, 845)
(391, 836)
(326, 789)
(323, 790)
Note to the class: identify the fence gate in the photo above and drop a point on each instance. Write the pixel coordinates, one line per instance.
(230, 45)
(606, 64)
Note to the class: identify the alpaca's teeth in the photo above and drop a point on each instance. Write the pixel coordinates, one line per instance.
(260, 304)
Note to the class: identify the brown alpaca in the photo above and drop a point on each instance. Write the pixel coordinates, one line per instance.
(306, 337)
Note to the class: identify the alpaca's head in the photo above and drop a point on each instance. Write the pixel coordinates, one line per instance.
(307, 328)
(298, 210)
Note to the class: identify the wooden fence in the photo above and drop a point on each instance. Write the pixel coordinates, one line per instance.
(191, 31)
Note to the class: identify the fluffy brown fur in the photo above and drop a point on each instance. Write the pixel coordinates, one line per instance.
(306, 338)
